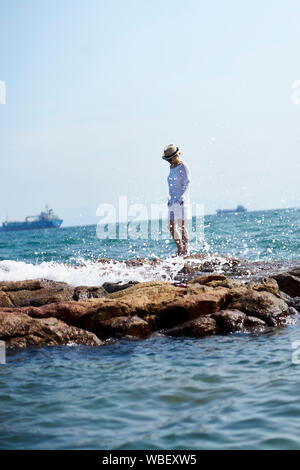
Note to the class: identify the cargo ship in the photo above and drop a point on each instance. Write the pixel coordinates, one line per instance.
(237, 210)
(46, 219)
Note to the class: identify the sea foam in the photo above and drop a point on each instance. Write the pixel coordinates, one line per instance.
(91, 273)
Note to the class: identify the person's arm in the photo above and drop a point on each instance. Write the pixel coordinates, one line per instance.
(186, 180)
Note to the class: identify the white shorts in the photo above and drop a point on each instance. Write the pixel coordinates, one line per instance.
(179, 211)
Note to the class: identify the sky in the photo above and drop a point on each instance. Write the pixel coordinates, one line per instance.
(96, 89)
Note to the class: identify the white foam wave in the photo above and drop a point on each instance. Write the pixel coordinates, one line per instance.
(90, 273)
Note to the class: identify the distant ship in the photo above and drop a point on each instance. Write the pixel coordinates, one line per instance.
(238, 209)
(46, 219)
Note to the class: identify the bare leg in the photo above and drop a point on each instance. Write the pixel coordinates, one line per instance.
(176, 235)
(185, 236)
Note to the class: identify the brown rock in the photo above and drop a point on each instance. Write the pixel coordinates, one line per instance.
(19, 330)
(253, 322)
(14, 324)
(111, 287)
(197, 328)
(295, 271)
(191, 307)
(289, 283)
(217, 280)
(198, 289)
(295, 303)
(41, 297)
(83, 313)
(5, 300)
(215, 263)
(148, 297)
(236, 293)
(123, 326)
(267, 284)
(152, 321)
(87, 292)
(229, 320)
(229, 283)
(263, 305)
(30, 284)
(208, 278)
(37, 292)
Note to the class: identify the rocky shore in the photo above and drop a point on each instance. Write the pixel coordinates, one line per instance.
(217, 297)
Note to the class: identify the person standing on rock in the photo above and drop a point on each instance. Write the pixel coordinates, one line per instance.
(179, 198)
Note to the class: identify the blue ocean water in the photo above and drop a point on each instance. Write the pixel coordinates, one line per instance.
(253, 235)
(236, 391)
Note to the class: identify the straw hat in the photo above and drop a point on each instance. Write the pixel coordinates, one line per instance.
(170, 151)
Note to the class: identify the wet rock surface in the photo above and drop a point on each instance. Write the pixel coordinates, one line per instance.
(20, 330)
(37, 292)
(121, 327)
(230, 320)
(111, 287)
(289, 282)
(41, 312)
(263, 305)
(86, 292)
(197, 328)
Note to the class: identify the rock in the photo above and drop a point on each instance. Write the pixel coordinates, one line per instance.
(19, 330)
(111, 287)
(142, 262)
(84, 313)
(40, 297)
(37, 292)
(287, 298)
(229, 320)
(267, 284)
(191, 307)
(253, 322)
(263, 305)
(152, 322)
(139, 300)
(229, 283)
(86, 292)
(202, 326)
(120, 327)
(31, 284)
(295, 303)
(289, 283)
(5, 300)
(198, 289)
(44, 312)
(14, 324)
(208, 278)
(148, 297)
(202, 263)
(217, 280)
(236, 293)
(295, 271)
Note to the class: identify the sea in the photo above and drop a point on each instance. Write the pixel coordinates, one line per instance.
(234, 391)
